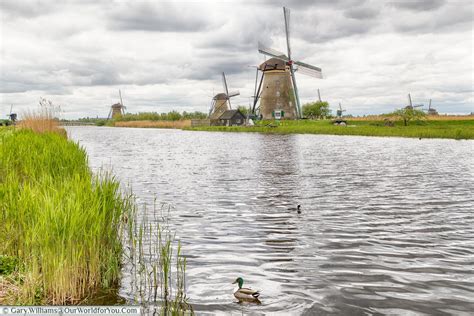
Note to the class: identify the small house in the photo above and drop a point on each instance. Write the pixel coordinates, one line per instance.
(231, 118)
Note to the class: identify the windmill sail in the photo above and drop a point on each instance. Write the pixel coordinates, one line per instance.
(271, 52)
(309, 70)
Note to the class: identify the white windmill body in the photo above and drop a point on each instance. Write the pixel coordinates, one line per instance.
(221, 101)
(277, 90)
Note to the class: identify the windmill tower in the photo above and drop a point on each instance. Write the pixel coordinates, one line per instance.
(410, 105)
(221, 101)
(431, 111)
(279, 92)
(117, 109)
(340, 111)
(12, 116)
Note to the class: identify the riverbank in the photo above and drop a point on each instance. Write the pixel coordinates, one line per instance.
(61, 225)
(458, 128)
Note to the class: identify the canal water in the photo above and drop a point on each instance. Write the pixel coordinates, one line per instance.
(387, 224)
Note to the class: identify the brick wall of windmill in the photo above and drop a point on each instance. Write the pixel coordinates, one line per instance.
(277, 94)
(220, 107)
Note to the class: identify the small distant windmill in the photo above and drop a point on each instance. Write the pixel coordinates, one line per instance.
(431, 111)
(280, 92)
(117, 109)
(340, 111)
(221, 101)
(410, 105)
(12, 116)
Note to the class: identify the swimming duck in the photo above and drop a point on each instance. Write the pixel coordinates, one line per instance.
(245, 293)
(297, 209)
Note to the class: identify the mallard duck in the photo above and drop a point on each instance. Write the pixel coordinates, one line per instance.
(297, 209)
(245, 293)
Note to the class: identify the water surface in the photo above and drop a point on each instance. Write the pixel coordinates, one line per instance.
(387, 223)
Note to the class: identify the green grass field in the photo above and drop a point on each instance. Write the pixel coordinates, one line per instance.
(61, 225)
(455, 129)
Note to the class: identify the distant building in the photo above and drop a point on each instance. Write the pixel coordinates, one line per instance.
(230, 118)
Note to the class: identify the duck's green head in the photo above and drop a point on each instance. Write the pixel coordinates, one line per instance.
(240, 281)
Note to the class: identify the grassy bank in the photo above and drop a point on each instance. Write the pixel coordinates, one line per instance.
(431, 128)
(61, 225)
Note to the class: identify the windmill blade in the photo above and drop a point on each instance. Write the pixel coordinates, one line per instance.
(120, 94)
(409, 100)
(11, 108)
(319, 96)
(233, 94)
(429, 107)
(286, 14)
(213, 102)
(340, 107)
(309, 70)
(224, 83)
(262, 49)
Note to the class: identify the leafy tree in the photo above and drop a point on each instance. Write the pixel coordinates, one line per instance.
(318, 109)
(244, 110)
(408, 114)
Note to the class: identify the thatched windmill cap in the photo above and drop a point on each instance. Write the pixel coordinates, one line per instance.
(221, 96)
(117, 106)
(273, 64)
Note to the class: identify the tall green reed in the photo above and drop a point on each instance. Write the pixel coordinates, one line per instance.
(62, 223)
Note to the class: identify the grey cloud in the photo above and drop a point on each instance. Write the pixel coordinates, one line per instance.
(26, 9)
(361, 13)
(418, 5)
(163, 17)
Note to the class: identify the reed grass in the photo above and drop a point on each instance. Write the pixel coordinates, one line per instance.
(158, 268)
(42, 120)
(154, 124)
(61, 222)
(64, 229)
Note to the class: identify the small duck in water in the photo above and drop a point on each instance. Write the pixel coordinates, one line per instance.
(297, 209)
(245, 294)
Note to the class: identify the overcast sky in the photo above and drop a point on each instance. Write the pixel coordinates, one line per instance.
(169, 55)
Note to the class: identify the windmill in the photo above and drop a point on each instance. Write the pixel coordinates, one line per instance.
(340, 111)
(410, 105)
(221, 101)
(12, 115)
(117, 109)
(280, 92)
(431, 111)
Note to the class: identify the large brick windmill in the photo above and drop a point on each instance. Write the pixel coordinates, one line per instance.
(221, 101)
(277, 90)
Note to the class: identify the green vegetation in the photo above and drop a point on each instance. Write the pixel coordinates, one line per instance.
(62, 224)
(154, 116)
(316, 110)
(63, 229)
(443, 128)
(408, 114)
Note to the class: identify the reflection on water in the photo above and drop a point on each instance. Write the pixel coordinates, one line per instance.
(387, 223)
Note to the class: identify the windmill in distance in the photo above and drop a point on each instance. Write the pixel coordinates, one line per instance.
(340, 111)
(221, 101)
(410, 105)
(431, 111)
(117, 109)
(280, 92)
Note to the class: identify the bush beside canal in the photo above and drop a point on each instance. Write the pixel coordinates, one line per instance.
(61, 225)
